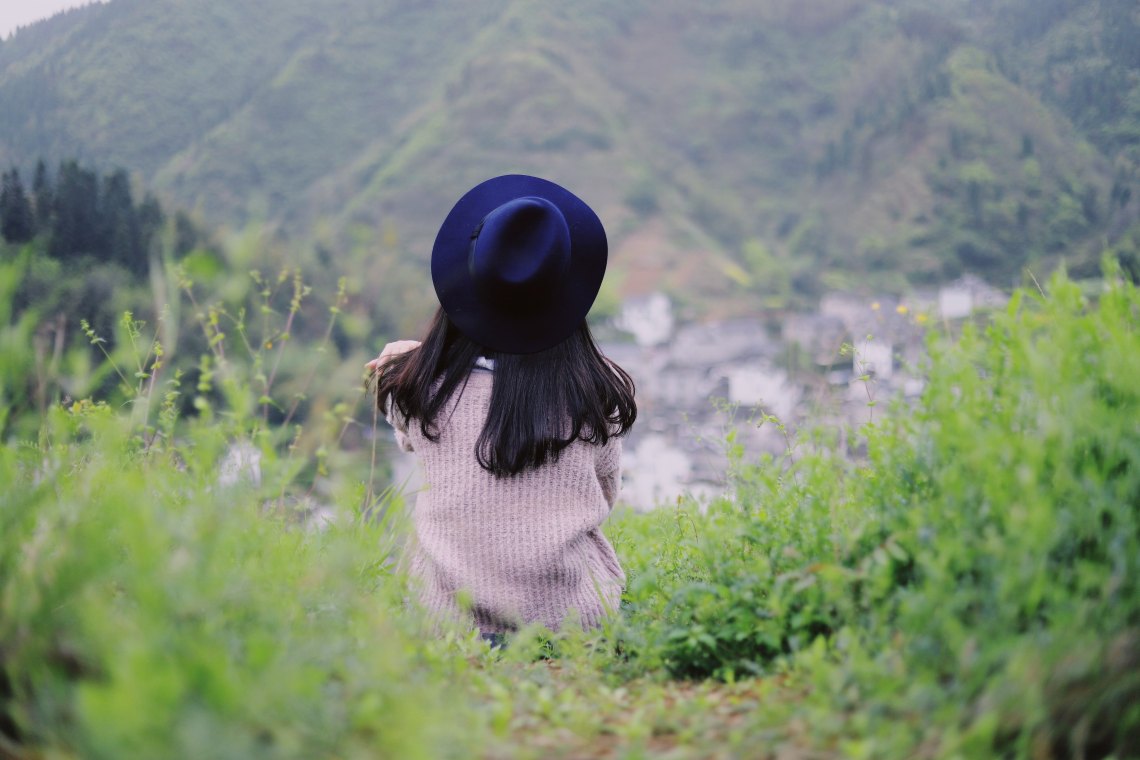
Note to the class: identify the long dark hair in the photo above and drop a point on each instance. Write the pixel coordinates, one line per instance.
(540, 403)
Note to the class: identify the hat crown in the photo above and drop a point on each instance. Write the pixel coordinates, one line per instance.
(517, 263)
(519, 252)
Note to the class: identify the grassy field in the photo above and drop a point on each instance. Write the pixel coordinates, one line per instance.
(970, 589)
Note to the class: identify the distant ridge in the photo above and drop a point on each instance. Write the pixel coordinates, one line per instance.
(53, 17)
(742, 154)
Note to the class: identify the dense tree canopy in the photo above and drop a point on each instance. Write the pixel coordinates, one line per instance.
(17, 222)
(82, 216)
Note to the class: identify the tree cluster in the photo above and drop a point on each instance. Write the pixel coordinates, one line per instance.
(82, 215)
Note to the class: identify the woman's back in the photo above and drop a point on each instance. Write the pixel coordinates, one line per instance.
(523, 548)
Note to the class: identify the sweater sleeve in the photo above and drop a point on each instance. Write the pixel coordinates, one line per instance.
(607, 464)
(400, 425)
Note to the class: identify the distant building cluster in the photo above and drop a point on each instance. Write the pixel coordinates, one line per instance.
(695, 381)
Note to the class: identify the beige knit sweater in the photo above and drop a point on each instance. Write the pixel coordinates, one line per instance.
(513, 550)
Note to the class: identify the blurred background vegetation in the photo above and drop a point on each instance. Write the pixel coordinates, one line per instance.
(737, 151)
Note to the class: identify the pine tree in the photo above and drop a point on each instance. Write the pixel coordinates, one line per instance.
(42, 193)
(17, 224)
(75, 227)
(120, 240)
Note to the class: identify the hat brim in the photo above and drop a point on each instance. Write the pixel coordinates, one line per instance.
(496, 326)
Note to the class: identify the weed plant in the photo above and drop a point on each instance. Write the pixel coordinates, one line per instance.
(968, 590)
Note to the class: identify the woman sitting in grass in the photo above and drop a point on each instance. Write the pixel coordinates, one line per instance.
(514, 413)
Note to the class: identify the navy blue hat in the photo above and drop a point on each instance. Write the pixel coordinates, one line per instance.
(518, 262)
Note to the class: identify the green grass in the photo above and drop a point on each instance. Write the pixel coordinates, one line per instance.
(968, 590)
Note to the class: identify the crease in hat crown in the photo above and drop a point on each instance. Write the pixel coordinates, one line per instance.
(517, 263)
(520, 251)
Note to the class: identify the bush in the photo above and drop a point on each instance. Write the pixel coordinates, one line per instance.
(161, 598)
(152, 612)
(981, 566)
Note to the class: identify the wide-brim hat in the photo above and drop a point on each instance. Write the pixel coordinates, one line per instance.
(518, 262)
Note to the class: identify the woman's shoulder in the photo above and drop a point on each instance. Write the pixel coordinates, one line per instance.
(478, 380)
(473, 392)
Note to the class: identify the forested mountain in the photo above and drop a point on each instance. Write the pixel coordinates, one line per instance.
(742, 153)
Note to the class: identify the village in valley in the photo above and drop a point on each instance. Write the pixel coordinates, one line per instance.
(837, 367)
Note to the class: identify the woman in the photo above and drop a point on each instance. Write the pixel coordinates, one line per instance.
(515, 414)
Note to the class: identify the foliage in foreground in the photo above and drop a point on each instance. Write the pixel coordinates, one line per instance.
(153, 610)
(974, 586)
(970, 590)
(197, 587)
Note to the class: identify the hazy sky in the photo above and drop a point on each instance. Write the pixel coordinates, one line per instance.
(14, 13)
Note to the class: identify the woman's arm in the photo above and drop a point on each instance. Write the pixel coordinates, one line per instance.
(607, 464)
(395, 348)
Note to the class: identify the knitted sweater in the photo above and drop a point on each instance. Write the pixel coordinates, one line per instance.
(520, 549)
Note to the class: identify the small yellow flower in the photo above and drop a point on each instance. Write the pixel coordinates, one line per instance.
(922, 319)
(901, 309)
(875, 306)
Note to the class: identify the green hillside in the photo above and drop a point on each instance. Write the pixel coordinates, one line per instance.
(741, 153)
